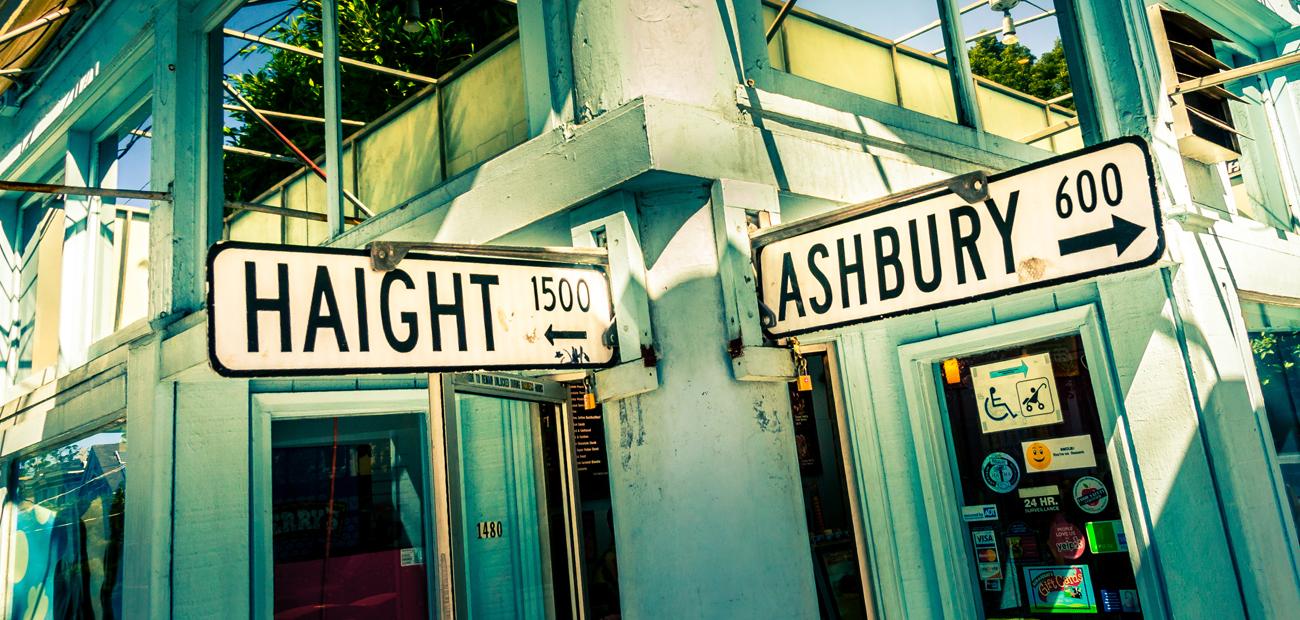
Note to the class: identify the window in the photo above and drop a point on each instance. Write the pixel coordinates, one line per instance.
(40, 271)
(126, 288)
(65, 536)
(348, 516)
(1034, 482)
(896, 52)
(1275, 342)
(429, 90)
(1255, 177)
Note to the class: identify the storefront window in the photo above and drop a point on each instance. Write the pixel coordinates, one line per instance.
(1275, 341)
(65, 538)
(831, 533)
(1037, 494)
(348, 517)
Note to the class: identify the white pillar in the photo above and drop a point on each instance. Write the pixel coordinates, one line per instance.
(77, 283)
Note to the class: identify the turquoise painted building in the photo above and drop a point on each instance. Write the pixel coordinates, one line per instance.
(864, 471)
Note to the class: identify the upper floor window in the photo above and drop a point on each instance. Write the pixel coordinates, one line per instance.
(429, 89)
(899, 53)
(1226, 120)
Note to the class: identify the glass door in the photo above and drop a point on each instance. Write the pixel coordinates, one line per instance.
(509, 496)
(1035, 481)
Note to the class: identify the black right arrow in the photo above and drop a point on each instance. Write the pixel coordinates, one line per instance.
(1121, 234)
(552, 335)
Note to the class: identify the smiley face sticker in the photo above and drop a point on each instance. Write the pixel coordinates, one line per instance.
(1038, 456)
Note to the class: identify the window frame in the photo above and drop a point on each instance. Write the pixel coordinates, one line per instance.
(270, 406)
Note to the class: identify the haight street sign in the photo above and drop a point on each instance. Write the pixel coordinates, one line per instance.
(1083, 214)
(278, 310)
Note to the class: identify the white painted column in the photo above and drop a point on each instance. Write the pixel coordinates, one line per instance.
(77, 283)
(103, 310)
(186, 160)
(9, 264)
(333, 115)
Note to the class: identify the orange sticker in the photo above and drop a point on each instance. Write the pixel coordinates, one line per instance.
(951, 372)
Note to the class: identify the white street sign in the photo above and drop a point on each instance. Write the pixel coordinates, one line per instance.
(1079, 215)
(275, 310)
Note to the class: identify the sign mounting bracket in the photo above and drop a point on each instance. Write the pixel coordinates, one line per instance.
(386, 255)
(972, 187)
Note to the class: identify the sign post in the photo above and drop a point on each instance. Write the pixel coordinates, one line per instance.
(1084, 214)
(278, 310)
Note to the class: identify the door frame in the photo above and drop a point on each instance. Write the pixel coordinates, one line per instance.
(269, 406)
(451, 586)
(951, 557)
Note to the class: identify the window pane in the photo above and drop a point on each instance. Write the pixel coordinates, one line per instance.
(348, 517)
(1275, 341)
(66, 540)
(1022, 83)
(885, 50)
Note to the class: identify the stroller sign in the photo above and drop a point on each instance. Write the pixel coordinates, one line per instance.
(1016, 393)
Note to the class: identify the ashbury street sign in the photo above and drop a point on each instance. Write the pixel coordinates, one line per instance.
(279, 310)
(1084, 214)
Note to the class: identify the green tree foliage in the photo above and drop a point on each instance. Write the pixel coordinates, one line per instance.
(1014, 66)
(449, 32)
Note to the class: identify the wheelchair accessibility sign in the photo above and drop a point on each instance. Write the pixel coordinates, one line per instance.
(1016, 393)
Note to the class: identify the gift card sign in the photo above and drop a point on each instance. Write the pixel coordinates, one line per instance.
(1016, 393)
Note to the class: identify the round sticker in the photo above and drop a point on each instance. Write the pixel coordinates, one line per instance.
(1038, 456)
(1001, 473)
(1066, 540)
(1091, 495)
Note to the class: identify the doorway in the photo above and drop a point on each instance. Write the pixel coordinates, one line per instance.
(829, 493)
(507, 499)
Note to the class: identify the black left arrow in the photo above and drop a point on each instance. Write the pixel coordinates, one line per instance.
(1121, 234)
(552, 335)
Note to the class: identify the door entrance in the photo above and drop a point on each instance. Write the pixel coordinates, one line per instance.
(510, 543)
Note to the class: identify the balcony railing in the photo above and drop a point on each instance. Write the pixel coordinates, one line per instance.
(474, 112)
(839, 55)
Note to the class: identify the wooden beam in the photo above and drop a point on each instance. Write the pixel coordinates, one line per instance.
(68, 190)
(1232, 75)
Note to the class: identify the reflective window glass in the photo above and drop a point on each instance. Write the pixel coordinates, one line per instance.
(65, 536)
(1043, 525)
(348, 517)
(1275, 342)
